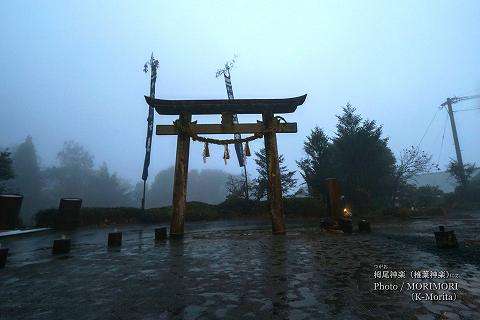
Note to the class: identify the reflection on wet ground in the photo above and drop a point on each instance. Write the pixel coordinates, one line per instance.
(231, 269)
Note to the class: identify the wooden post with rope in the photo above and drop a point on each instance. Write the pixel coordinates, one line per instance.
(180, 179)
(274, 182)
(185, 130)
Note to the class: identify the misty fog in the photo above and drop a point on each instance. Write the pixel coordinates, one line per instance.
(73, 72)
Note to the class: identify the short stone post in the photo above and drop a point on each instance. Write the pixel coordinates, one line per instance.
(115, 239)
(3, 257)
(61, 246)
(160, 234)
(364, 226)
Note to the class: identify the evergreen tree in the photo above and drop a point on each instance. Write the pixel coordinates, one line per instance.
(287, 178)
(362, 159)
(317, 165)
(358, 156)
(6, 169)
(28, 179)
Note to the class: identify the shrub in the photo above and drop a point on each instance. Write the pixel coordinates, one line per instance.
(92, 216)
(46, 217)
(197, 211)
(312, 207)
(429, 211)
(235, 207)
(157, 215)
(465, 197)
(397, 212)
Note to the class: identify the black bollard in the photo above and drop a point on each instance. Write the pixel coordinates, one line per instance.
(445, 239)
(3, 257)
(161, 234)
(114, 239)
(61, 246)
(345, 225)
(364, 226)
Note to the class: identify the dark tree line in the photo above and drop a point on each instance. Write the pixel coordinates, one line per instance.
(74, 175)
(357, 154)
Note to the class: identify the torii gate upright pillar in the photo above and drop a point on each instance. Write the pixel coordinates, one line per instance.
(274, 181)
(180, 180)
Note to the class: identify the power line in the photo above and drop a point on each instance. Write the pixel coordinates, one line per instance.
(441, 147)
(428, 127)
(443, 137)
(466, 109)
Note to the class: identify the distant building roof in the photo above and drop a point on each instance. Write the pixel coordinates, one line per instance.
(302, 192)
(443, 180)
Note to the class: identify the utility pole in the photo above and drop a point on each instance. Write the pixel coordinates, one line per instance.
(153, 63)
(455, 136)
(448, 103)
(238, 146)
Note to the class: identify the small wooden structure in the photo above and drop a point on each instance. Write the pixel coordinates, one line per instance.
(69, 214)
(10, 205)
(334, 198)
(338, 214)
(185, 130)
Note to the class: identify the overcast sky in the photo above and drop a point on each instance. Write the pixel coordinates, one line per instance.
(73, 71)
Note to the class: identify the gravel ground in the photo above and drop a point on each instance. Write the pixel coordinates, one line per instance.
(237, 269)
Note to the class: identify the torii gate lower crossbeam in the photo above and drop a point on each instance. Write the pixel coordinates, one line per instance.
(184, 128)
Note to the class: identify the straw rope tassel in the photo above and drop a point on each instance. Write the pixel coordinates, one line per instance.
(226, 155)
(206, 152)
(247, 150)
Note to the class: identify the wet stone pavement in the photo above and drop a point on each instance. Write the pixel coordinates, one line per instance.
(226, 270)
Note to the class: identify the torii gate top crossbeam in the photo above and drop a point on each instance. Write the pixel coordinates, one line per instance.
(238, 106)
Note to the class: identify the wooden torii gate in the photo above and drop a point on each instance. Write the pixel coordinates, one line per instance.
(185, 129)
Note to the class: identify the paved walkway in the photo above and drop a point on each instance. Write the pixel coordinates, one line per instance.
(240, 272)
(14, 233)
